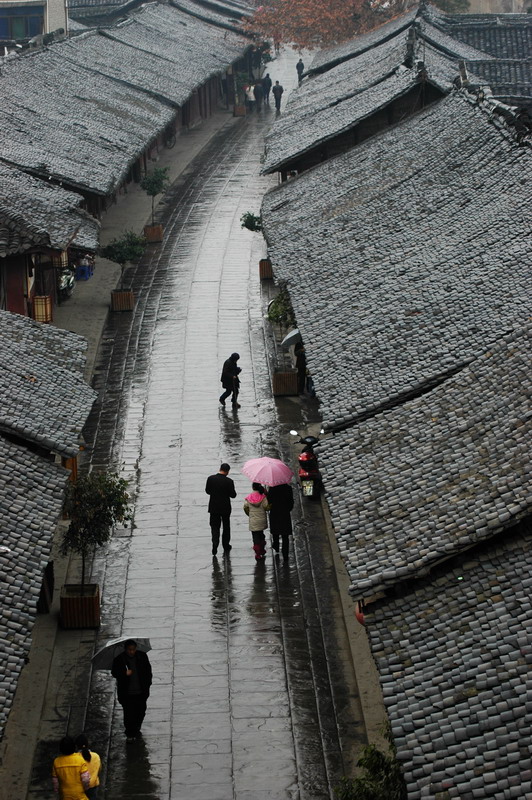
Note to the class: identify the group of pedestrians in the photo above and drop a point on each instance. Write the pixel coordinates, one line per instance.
(259, 93)
(276, 502)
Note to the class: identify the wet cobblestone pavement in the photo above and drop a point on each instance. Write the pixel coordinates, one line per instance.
(251, 699)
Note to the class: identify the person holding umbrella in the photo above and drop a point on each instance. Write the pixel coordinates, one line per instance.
(281, 500)
(133, 674)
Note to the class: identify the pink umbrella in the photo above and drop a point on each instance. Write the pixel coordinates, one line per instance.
(270, 471)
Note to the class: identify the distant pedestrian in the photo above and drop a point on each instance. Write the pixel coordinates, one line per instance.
(300, 69)
(230, 380)
(70, 772)
(281, 500)
(256, 505)
(258, 93)
(220, 489)
(277, 91)
(267, 85)
(132, 670)
(250, 97)
(93, 762)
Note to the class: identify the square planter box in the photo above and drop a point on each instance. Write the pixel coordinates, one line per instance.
(78, 610)
(284, 383)
(122, 300)
(153, 233)
(265, 269)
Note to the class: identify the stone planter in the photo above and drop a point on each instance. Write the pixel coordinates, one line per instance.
(284, 383)
(153, 233)
(122, 300)
(265, 269)
(79, 610)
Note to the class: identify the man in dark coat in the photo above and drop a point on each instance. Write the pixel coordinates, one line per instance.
(132, 670)
(281, 500)
(220, 489)
(300, 68)
(267, 85)
(230, 380)
(277, 91)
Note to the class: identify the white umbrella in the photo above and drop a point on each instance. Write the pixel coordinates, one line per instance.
(291, 338)
(104, 658)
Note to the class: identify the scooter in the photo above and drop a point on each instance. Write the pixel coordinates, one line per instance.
(308, 473)
(66, 282)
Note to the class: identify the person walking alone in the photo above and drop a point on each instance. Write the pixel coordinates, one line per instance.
(256, 505)
(230, 380)
(220, 489)
(277, 91)
(300, 69)
(70, 772)
(132, 671)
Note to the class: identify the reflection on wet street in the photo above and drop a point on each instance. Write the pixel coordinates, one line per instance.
(242, 705)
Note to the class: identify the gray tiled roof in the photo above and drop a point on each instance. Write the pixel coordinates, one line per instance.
(31, 499)
(448, 44)
(507, 36)
(510, 81)
(454, 657)
(225, 18)
(75, 27)
(329, 57)
(60, 116)
(228, 7)
(418, 241)
(61, 119)
(332, 103)
(144, 71)
(199, 49)
(43, 397)
(430, 478)
(33, 212)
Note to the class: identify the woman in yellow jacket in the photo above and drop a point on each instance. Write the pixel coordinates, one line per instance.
(94, 764)
(70, 772)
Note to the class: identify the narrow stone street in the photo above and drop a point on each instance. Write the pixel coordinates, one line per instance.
(253, 696)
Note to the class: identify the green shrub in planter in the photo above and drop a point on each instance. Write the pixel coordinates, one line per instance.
(251, 221)
(95, 503)
(129, 247)
(154, 183)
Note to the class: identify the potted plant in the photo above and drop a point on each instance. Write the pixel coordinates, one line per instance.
(252, 222)
(129, 247)
(154, 183)
(281, 313)
(95, 503)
